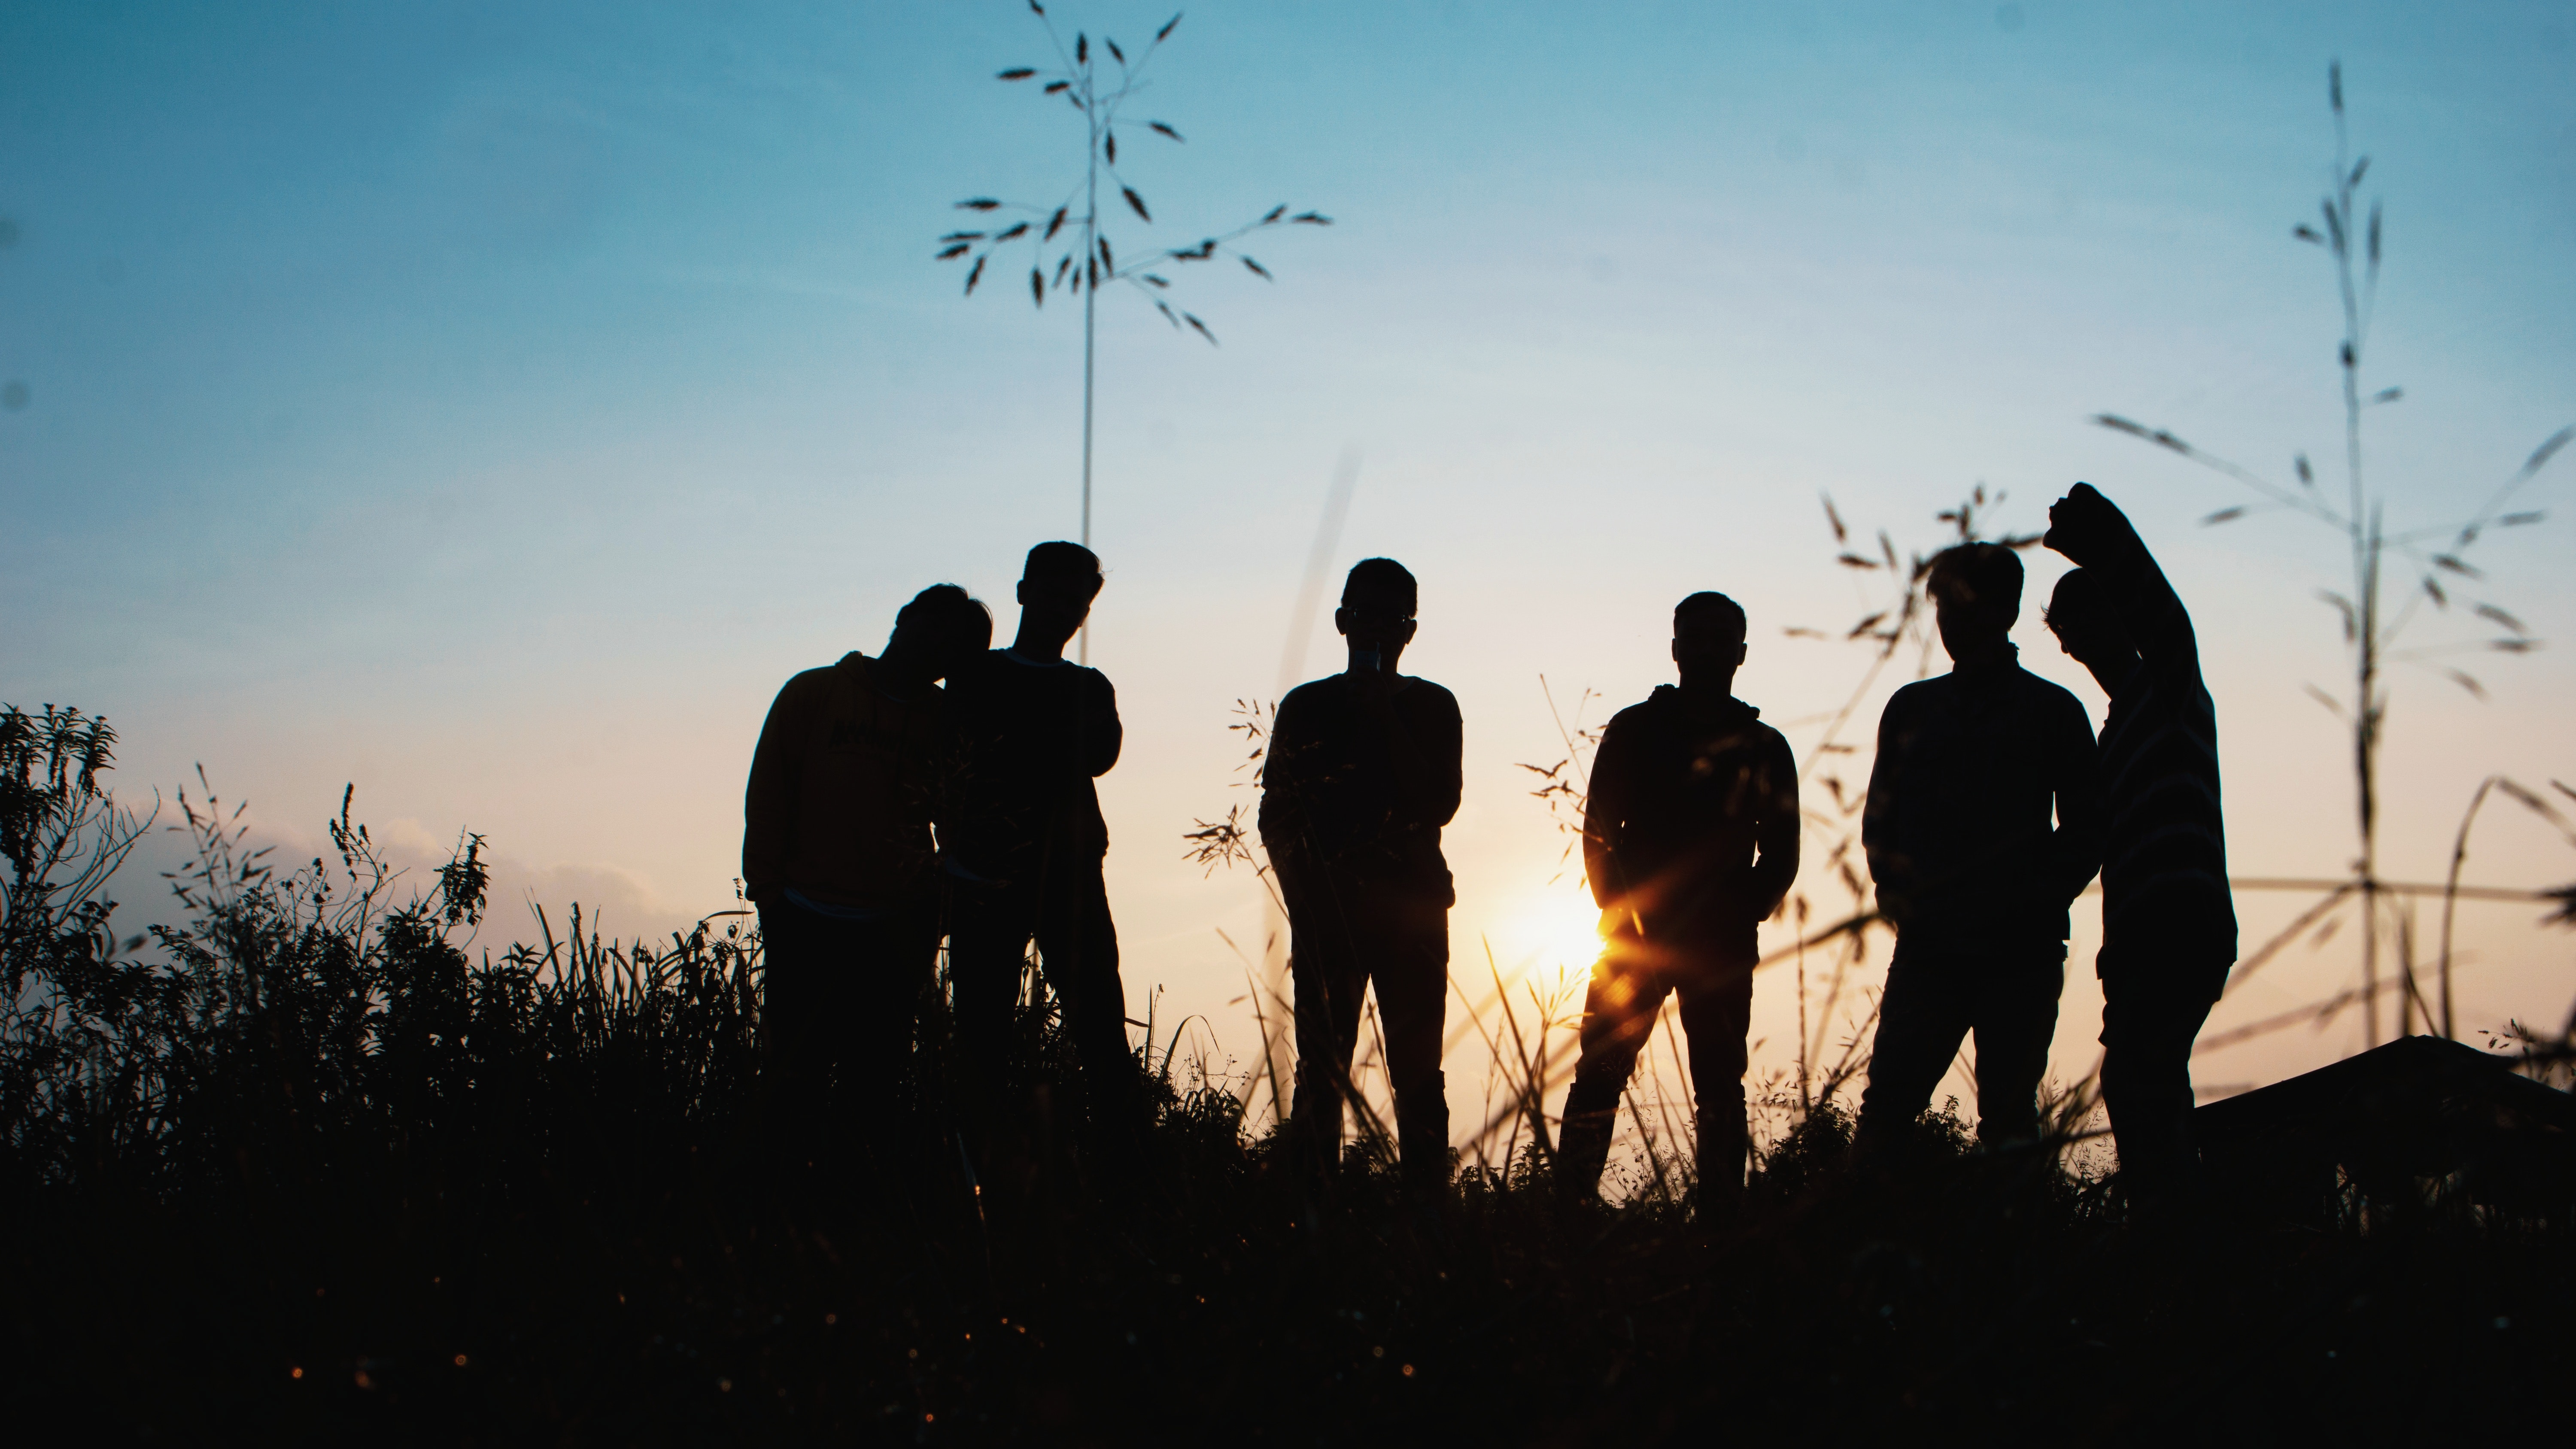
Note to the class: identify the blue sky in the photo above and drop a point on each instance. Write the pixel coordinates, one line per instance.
(490, 405)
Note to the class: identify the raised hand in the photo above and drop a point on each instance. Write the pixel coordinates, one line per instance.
(2087, 527)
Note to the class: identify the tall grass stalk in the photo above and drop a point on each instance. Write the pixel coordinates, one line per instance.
(1099, 94)
(2373, 622)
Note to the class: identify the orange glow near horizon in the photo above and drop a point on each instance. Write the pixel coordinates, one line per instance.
(1554, 928)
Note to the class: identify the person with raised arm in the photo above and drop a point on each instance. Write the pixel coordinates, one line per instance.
(838, 856)
(1363, 772)
(2168, 918)
(1690, 842)
(1982, 826)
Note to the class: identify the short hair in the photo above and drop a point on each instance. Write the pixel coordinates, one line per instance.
(956, 616)
(1983, 576)
(1711, 608)
(1063, 562)
(2078, 595)
(1384, 578)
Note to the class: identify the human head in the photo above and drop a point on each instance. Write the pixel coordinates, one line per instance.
(1708, 639)
(1057, 585)
(1379, 597)
(2080, 615)
(1061, 570)
(1976, 596)
(942, 628)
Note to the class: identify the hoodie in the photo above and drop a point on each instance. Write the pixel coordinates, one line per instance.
(1692, 824)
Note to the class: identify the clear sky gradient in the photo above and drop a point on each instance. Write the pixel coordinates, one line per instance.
(492, 404)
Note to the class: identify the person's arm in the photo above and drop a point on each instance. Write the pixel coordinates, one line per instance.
(1102, 735)
(769, 800)
(2075, 846)
(1888, 866)
(1606, 800)
(2091, 530)
(1284, 821)
(1443, 745)
(2157, 619)
(1775, 836)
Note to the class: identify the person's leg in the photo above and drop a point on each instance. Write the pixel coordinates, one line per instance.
(1078, 947)
(1325, 974)
(1619, 1010)
(2016, 1019)
(988, 941)
(805, 967)
(1412, 998)
(1922, 1016)
(2152, 1010)
(871, 1004)
(1717, 1011)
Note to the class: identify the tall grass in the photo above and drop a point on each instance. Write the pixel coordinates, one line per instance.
(311, 1164)
(1098, 86)
(2375, 618)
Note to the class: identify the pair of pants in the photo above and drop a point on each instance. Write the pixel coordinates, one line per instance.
(1939, 992)
(2153, 1006)
(1353, 935)
(1629, 986)
(1067, 913)
(837, 1002)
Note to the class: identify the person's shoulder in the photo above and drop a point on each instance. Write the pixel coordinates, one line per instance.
(1766, 737)
(979, 672)
(2057, 704)
(1921, 692)
(1310, 693)
(1428, 695)
(821, 676)
(2051, 694)
(1646, 713)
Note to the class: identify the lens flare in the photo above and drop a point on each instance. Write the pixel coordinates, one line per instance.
(1557, 929)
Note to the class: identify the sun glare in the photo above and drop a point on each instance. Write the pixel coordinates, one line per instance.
(1559, 928)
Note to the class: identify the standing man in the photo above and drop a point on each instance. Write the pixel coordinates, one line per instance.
(1025, 841)
(1970, 766)
(1363, 773)
(837, 855)
(2168, 921)
(1690, 840)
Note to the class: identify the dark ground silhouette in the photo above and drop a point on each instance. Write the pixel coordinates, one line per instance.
(319, 1175)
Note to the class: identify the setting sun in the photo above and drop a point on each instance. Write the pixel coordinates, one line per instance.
(1559, 927)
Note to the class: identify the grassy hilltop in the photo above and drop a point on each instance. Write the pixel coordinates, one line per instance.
(300, 1170)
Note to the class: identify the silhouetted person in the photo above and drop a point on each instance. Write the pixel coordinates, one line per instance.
(837, 854)
(1969, 869)
(1363, 772)
(1024, 843)
(2168, 921)
(1690, 839)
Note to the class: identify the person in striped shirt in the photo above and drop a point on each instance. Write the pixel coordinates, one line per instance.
(2168, 922)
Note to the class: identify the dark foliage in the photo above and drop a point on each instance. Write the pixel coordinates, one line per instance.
(304, 1171)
